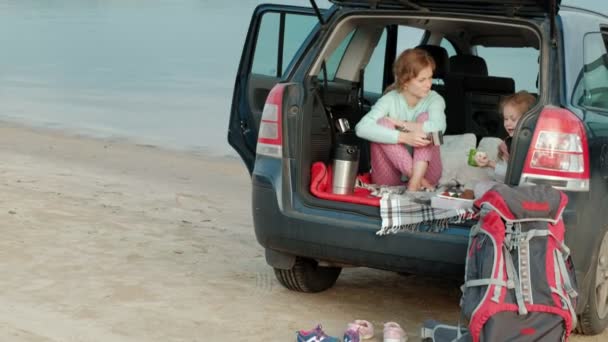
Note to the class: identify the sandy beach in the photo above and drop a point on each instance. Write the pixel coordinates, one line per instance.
(113, 241)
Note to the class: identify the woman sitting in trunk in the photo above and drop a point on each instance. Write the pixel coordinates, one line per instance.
(403, 117)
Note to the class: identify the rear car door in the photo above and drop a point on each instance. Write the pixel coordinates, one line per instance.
(276, 38)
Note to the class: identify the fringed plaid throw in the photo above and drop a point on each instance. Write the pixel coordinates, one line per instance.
(400, 212)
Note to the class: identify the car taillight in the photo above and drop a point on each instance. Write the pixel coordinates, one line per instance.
(270, 135)
(559, 153)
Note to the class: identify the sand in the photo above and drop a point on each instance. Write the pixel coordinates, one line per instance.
(113, 241)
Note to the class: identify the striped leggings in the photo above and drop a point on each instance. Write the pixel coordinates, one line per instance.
(391, 161)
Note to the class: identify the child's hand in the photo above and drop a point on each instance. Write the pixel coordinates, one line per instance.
(481, 158)
(503, 151)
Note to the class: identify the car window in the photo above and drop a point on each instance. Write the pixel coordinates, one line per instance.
(297, 28)
(374, 71)
(271, 45)
(407, 37)
(448, 46)
(596, 6)
(500, 64)
(333, 62)
(592, 88)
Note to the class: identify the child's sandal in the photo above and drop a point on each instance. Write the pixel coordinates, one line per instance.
(365, 328)
(394, 333)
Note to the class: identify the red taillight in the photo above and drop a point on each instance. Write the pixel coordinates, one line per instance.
(559, 152)
(270, 135)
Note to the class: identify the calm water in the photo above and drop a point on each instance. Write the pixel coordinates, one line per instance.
(156, 71)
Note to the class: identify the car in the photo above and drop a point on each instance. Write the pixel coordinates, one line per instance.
(303, 67)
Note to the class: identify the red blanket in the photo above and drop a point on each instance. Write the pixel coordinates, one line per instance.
(321, 185)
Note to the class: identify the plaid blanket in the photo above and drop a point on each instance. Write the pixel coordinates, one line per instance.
(405, 212)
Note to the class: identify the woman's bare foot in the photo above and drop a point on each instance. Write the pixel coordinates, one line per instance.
(417, 178)
(413, 187)
(426, 184)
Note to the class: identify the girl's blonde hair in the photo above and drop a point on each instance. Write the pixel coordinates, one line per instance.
(408, 65)
(522, 100)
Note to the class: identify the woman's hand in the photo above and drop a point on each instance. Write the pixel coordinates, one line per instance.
(414, 138)
(405, 126)
(399, 125)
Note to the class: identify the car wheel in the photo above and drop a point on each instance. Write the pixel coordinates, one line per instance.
(307, 276)
(594, 318)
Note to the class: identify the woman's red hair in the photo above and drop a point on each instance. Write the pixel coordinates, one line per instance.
(408, 65)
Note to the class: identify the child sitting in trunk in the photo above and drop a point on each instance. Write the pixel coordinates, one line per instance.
(512, 108)
(403, 117)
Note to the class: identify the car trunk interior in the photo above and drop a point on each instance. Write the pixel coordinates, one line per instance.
(469, 84)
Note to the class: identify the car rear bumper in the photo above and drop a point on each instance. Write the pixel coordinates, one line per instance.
(347, 239)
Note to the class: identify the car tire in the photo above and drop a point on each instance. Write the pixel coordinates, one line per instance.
(307, 276)
(594, 318)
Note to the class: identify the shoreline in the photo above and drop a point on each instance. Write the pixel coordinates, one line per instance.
(57, 130)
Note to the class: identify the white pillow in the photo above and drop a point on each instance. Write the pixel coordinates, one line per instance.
(454, 157)
(454, 154)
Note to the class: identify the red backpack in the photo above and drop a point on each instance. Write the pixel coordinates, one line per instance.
(519, 278)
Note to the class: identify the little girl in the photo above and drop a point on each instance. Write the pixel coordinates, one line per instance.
(403, 117)
(512, 108)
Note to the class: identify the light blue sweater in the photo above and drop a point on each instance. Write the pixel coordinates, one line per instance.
(394, 105)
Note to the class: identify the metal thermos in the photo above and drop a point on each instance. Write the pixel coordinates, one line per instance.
(346, 165)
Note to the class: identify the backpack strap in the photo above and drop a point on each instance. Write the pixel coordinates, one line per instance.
(561, 273)
(498, 288)
(508, 234)
(537, 233)
(512, 276)
(569, 305)
(488, 282)
(563, 270)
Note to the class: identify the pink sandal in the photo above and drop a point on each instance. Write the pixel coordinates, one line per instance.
(394, 333)
(365, 328)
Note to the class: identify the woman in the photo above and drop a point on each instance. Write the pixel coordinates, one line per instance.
(403, 117)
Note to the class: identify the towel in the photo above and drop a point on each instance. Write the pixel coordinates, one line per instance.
(407, 212)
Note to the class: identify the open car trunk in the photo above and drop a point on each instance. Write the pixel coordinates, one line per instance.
(471, 89)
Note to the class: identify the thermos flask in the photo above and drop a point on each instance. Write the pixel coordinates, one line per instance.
(346, 165)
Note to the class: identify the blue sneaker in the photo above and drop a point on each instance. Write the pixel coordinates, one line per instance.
(351, 335)
(315, 335)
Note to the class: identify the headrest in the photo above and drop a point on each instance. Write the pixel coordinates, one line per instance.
(489, 84)
(440, 56)
(468, 64)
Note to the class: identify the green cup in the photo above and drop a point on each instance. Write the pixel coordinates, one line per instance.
(472, 153)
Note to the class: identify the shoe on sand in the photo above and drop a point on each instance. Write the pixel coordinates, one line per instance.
(365, 328)
(394, 333)
(351, 335)
(314, 335)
